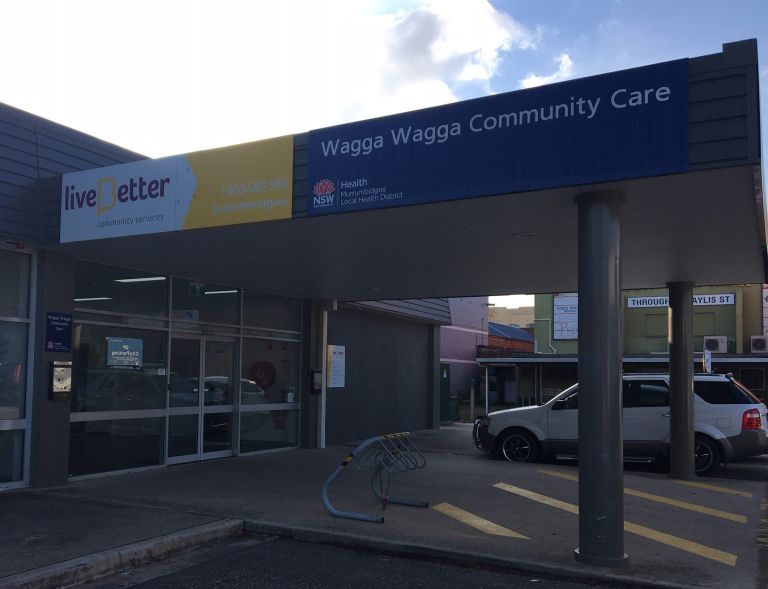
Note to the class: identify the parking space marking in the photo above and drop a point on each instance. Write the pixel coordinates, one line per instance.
(477, 522)
(734, 517)
(716, 488)
(674, 541)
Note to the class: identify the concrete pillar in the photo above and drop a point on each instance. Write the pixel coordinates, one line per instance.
(601, 489)
(433, 377)
(681, 440)
(50, 419)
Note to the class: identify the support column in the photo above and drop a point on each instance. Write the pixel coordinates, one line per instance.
(680, 334)
(601, 489)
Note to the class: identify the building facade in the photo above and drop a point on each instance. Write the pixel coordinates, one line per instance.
(728, 322)
(113, 367)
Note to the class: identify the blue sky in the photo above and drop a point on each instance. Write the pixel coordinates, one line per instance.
(172, 76)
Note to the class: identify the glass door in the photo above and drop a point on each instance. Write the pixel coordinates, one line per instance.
(201, 391)
(218, 399)
(184, 401)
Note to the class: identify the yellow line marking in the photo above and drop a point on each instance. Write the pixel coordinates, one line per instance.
(734, 517)
(716, 488)
(477, 522)
(674, 541)
(682, 544)
(557, 473)
(569, 507)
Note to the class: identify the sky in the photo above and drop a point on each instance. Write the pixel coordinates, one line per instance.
(162, 77)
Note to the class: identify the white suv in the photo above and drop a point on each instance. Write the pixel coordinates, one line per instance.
(729, 420)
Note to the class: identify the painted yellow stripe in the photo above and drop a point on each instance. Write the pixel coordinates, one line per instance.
(734, 517)
(682, 544)
(674, 541)
(557, 473)
(569, 507)
(477, 522)
(715, 488)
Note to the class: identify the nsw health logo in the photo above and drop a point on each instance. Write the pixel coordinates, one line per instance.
(324, 191)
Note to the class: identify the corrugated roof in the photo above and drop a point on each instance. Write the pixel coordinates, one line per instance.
(509, 331)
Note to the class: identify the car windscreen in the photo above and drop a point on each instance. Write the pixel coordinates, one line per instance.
(724, 392)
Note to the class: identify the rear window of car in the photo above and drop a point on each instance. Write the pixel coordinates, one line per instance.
(719, 392)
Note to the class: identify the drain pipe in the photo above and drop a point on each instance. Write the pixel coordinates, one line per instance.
(549, 334)
(324, 378)
(332, 306)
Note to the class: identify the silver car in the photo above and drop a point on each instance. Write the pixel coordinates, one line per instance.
(730, 423)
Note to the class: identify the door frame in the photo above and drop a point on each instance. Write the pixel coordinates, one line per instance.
(201, 410)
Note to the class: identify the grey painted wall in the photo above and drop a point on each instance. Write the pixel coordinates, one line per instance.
(34, 152)
(390, 365)
(50, 419)
(724, 119)
(432, 310)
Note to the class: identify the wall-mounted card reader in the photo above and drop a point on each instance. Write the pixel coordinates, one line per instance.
(60, 388)
(317, 381)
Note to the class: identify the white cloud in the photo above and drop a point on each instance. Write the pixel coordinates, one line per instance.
(564, 71)
(181, 75)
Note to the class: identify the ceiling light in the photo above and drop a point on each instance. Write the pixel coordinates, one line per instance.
(145, 279)
(92, 299)
(220, 292)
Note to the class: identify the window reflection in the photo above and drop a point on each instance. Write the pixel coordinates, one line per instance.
(100, 446)
(267, 430)
(97, 386)
(13, 364)
(14, 287)
(118, 290)
(270, 369)
(194, 300)
(11, 456)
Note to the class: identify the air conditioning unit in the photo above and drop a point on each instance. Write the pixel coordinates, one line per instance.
(717, 344)
(759, 344)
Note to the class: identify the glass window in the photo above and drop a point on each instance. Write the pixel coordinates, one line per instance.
(752, 378)
(719, 392)
(642, 393)
(265, 430)
(270, 372)
(11, 456)
(118, 290)
(194, 300)
(271, 312)
(217, 432)
(100, 385)
(14, 286)
(13, 369)
(570, 401)
(101, 446)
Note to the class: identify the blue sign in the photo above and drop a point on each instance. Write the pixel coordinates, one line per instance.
(58, 332)
(123, 351)
(627, 124)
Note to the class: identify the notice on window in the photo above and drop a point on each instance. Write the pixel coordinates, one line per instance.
(336, 369)
(765, 309)
(123, 351)
(565, 324)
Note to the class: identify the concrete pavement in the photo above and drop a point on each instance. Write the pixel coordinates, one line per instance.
(483, 510)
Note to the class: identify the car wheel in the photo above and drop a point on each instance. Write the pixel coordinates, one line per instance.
(706, 454)
(519, 446)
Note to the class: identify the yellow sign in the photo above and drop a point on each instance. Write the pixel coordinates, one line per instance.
(242, 184)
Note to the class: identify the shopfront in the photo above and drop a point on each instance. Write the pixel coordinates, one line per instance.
(169, 370)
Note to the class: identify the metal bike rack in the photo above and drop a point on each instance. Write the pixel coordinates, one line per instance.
(383, 456)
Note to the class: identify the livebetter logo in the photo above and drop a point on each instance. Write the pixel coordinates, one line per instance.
(324, 191)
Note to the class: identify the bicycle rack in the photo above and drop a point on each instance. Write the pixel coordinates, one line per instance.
(384, 456)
